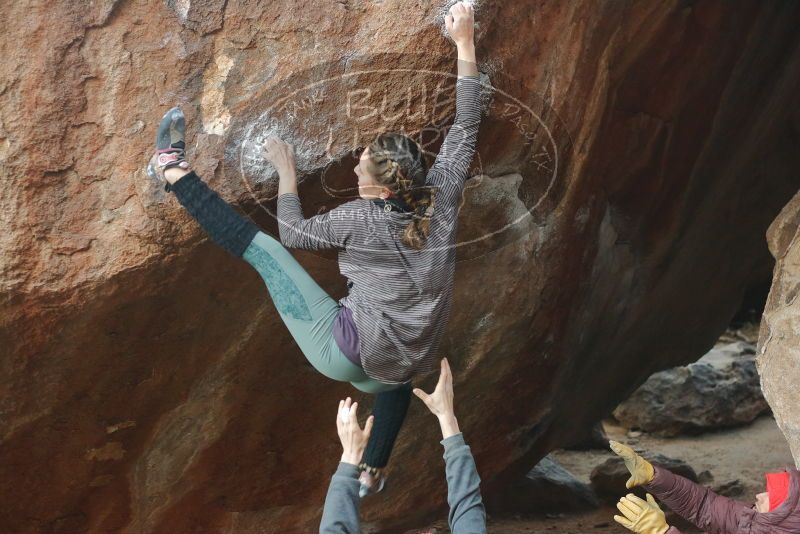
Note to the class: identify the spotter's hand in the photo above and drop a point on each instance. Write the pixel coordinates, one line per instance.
(440, 402)
(641, 470)
(353, 438)
(643, 517)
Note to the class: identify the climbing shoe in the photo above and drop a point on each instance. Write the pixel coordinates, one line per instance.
(170, 144)
(370, 484)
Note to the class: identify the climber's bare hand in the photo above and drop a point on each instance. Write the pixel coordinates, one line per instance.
(280, 154)
(460, 23)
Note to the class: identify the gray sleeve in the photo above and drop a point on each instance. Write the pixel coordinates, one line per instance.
(451, 168)
(340, 514)
(328, 230)
(467, 514)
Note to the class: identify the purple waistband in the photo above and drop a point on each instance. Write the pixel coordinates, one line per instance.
(346, 335)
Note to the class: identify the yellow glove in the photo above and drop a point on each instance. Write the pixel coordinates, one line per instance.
(644, 517)
(641, 470)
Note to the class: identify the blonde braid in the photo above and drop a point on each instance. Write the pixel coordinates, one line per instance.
(392, 176)
(407, 181)
(393, 167)
(403, 182)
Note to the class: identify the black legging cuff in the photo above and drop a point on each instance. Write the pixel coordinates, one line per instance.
(221, 222)
(390, 412)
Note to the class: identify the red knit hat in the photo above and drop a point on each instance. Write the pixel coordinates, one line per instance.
(777, 488)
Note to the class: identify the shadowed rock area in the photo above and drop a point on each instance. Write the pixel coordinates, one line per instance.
(547, 488)
(631, 159)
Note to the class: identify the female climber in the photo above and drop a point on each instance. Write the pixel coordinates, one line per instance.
(397, 253)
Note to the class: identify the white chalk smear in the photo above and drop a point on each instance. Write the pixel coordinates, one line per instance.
(216, 116)
(344, 413)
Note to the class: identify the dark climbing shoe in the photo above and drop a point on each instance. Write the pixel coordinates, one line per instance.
(170, 144)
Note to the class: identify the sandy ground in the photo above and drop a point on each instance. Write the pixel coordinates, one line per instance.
(744, 453)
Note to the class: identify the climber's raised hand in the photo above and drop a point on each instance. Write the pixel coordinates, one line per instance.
(280, 154)
(460, 23)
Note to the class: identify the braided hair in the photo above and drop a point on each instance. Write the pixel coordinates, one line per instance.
(400, 167)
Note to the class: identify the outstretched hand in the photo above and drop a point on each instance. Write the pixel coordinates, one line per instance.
(440, 402)
(641, 516)
(642, 471)
(460, 23)
(354, 439)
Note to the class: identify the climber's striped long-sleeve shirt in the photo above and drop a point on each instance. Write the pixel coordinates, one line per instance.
(400, 297)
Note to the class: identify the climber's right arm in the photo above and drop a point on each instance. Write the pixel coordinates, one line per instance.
(451, 167)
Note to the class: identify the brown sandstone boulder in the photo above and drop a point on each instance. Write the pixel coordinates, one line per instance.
(632, 157)
(778, 361)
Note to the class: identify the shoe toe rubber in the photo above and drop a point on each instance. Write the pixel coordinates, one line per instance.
(171, 129)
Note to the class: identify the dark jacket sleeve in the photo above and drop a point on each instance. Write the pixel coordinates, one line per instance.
(467, 514)
(451, 168)
(340, 514)
(695, 503)
(328, 230)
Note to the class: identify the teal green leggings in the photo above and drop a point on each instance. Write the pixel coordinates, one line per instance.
(308, 311)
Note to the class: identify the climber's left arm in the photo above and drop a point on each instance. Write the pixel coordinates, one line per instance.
(694, 502)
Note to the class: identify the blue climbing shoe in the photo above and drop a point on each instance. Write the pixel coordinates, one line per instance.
(370, 484)
(170, 144)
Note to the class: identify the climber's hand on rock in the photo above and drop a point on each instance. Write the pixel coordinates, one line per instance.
(638, 515)
(641, 470)
(440, 402)
(460, 23)
(280, 154)
(353, 438)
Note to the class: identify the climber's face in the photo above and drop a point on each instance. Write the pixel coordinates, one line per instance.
(367, 186)
(762, 502)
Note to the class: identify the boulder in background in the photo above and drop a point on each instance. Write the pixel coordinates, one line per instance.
(608, 479)
(722, 389)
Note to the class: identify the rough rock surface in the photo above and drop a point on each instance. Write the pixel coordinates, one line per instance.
(608, 479)
(778, 348)
(721, 389)
(146, 382)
